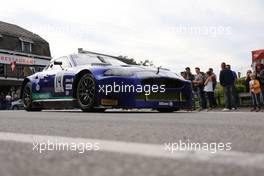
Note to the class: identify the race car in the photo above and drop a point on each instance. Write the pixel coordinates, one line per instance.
(95, 82)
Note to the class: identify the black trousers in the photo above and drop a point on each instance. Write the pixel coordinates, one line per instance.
(211, 99)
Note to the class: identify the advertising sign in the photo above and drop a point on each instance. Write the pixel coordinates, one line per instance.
(21, 60)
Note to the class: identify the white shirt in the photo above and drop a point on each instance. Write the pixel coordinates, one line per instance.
(209, 87)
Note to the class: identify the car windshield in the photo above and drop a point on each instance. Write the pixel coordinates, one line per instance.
(84, 59)
(112, 61)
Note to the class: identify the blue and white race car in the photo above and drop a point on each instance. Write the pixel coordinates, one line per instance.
(95, 82)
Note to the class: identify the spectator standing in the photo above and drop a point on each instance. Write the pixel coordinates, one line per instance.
(190, 77)
(208, 88)
(234, 91)
(247, 80)
(198, 84)
(183, 74)
(233, 72)
(260, 78)
(227, 80)
(214, 79)
(255, 93)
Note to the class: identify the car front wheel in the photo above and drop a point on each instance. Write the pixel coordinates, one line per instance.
(164, 110)
(86, 93)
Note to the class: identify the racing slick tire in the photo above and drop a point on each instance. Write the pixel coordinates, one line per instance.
(164, 110)
(27, 99)
(85, 93)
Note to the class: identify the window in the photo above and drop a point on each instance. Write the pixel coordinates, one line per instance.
(65, 64)
(51, 66)
(2, 70)
(26, 47)
(112, 60)
(84, 59)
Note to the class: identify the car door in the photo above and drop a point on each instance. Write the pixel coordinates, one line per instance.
(46, 81)
(61, 84)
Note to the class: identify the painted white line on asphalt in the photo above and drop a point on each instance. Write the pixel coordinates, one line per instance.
(148, 150)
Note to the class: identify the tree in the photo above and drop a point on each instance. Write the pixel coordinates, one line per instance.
(127, 60)
(132, 61)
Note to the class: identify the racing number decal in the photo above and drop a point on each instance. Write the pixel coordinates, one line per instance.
(58, 82)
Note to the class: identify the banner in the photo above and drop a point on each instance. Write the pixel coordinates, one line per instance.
(22, 60)
(257, 55)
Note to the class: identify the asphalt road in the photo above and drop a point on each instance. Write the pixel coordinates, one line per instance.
(131, 143)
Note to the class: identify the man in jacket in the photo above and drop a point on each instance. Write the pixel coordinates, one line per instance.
(227, 80)
(198, 84)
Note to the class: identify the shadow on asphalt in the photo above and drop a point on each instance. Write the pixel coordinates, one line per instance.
(118, 112)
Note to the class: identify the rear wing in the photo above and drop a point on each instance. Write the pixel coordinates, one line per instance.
(82, 51)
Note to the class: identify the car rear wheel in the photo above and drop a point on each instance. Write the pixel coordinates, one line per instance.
(15, 108)
(86, 93)
(27, 98)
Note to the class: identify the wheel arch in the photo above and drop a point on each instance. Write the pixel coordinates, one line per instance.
(26, 80)
(77, 79)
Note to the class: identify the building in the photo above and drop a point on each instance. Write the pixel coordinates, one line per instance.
(21, 54)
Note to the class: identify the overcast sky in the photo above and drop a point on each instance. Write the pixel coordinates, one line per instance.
(172, 33)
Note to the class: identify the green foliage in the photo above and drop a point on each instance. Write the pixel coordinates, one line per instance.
(127, 60)
(132, 61)
(241, 81)
(241, 85)
(240, 88)
(218, 90)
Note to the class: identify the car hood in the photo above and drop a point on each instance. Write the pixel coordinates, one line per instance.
(146, 72)
(135, 70)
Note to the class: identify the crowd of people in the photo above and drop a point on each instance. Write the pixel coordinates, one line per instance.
(204, 85)
(6, 98)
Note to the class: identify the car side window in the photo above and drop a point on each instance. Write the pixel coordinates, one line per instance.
(50, 66)
(65, 62)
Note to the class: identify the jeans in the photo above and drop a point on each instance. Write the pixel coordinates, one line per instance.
(201, 97)
(256, 100)
(229, 97)
(211, 99)
(262, 93)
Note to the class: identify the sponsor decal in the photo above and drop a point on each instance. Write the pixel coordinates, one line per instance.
(69, 80)
(37, 96)
(109, 102)
(162, 103)
(58, 82)
(37, 87)
(68, 86)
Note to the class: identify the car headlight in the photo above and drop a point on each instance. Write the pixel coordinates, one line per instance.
(118, 72)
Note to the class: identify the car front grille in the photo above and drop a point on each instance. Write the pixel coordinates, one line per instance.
(167, 82)
(175, 96)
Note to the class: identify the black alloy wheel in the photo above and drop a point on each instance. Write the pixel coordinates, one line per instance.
(86, 93)
(27, 98)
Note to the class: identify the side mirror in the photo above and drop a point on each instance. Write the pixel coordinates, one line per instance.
(58, 63)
